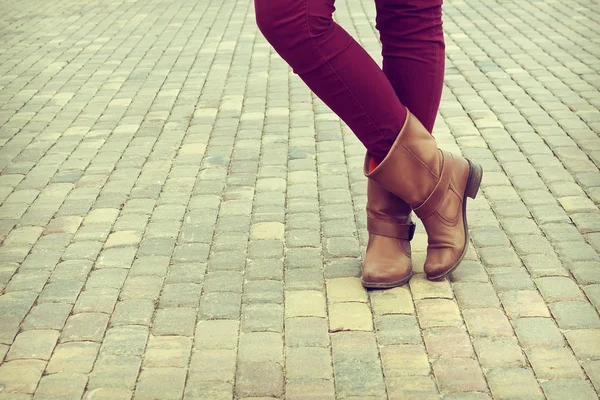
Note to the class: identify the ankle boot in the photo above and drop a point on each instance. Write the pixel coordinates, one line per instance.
(435, 183)
(387, 263)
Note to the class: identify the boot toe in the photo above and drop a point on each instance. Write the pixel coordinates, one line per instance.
(383, 276)
(440, 263)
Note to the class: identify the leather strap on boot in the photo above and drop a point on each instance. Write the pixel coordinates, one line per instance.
(436, 197)
(391, 229)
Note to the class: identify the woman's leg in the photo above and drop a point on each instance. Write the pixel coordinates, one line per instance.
(413, 53)
(434, 183)
(335, 67)
(414, 64)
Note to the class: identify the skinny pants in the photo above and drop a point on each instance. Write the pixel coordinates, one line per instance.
(371, 101)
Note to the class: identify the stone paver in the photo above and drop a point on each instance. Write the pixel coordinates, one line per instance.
(180, 218)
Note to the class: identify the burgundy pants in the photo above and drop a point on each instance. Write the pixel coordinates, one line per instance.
(341, 73)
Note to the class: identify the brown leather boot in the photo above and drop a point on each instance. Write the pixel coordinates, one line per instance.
(387, 263)
(435, 183)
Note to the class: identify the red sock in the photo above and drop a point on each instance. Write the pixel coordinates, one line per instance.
(372, 164)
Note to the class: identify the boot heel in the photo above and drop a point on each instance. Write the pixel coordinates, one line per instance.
(475, 175)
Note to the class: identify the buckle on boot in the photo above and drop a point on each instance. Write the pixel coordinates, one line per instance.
(411, 230)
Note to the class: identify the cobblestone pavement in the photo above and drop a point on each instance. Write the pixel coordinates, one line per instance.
(181, 218)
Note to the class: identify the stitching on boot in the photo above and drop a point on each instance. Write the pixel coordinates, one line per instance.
(421, 162)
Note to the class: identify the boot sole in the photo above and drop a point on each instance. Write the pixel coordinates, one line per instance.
(386, 285)
(473, 183)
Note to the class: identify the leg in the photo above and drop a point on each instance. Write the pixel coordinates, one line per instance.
(435, 183)
(413, 61)
(343, 75)
(335, 67)
(414, 53)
